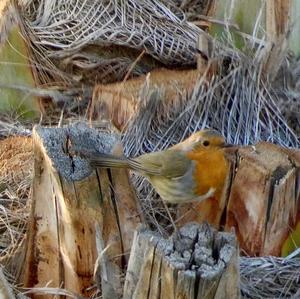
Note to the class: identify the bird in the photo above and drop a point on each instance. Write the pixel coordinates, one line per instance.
(190, 171)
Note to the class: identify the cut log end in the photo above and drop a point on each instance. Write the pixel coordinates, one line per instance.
(62, 144)
(196, 262)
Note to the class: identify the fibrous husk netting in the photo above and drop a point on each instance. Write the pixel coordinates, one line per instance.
(238, 100)
(73, 39)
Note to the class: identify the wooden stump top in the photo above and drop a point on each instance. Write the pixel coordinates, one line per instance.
(196, 262)
(62, 144)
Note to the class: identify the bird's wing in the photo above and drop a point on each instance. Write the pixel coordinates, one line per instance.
(170, 163)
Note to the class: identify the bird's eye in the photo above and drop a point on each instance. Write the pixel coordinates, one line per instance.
(206, 143)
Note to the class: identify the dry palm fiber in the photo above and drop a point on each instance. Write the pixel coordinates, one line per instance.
(11, 127)
(16, 168)
(189, 9)
(270, 277)
(67, 35)
(238, 101)
(287, 87)
(240, 104)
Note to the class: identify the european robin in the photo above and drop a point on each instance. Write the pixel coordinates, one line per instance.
(192, 170)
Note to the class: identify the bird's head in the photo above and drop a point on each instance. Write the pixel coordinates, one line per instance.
(205, 139)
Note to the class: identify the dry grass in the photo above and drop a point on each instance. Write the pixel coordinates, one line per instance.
(10, 126)
(16, 167)
(270, 277)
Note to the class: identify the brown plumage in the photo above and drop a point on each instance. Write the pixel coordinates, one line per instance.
(192, 170)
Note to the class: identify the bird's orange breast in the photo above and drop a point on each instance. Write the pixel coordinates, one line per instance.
(211, 170)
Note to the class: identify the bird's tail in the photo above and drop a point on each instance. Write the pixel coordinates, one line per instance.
(111, 161)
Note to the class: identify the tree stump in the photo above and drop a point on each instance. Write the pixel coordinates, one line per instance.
(264, 198)
(80, 217)
(196, 262)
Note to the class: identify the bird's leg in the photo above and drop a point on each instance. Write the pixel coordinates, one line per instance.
(170, 216)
